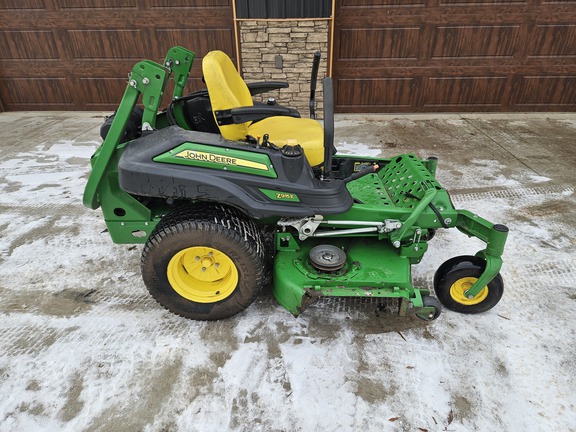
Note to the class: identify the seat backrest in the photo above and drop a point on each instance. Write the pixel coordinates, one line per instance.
(227, 90)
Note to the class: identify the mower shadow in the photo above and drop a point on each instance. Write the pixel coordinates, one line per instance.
(368, 315)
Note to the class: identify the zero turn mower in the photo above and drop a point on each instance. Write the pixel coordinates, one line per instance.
(225, 193)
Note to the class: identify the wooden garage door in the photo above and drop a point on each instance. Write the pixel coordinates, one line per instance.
(455, 55)
(76, 54)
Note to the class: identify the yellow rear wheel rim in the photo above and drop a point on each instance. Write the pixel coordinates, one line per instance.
(459, 288)
(202, 274)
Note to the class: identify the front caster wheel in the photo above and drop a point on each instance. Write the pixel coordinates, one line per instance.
(456, 276)
(430, 302)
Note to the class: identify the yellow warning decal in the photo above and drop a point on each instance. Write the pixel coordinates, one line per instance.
(220, 159)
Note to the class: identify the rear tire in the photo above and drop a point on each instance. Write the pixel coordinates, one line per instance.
(204, 262)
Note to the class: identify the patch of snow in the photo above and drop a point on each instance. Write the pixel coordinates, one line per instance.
(357, 148)
(83, 345)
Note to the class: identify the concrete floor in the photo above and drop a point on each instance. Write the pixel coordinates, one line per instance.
(84, 347)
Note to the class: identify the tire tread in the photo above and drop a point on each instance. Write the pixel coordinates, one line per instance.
(217, 220)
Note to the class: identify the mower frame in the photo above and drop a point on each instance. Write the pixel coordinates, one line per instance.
(392, 217)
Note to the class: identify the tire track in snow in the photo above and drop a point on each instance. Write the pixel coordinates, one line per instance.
(463, 196)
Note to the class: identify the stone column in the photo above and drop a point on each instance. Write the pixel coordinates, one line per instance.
(295, 41)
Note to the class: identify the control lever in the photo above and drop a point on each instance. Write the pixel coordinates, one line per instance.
(265, 139)
(362, 173)
(315, 66)
(266, 143)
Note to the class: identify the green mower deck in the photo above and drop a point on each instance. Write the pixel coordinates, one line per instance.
(297, 283)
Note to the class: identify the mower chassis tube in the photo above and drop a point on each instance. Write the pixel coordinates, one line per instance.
(148, 78)
(180, 61)
(424, 202)
(108, 148)
(494, 235)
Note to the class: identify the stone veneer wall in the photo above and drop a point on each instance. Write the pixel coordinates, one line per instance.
(296, 41)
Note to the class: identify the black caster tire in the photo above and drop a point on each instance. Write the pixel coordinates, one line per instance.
(456, 276)
(204, 262)
(430, 301)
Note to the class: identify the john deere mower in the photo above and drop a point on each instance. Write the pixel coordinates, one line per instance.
(229, 196)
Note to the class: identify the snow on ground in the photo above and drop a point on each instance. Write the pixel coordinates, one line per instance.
(84, 347)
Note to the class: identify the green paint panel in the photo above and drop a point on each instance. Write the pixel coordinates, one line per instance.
(369, 190)
(219, 158)
(148, 79)
(398, 191)
(373, 269)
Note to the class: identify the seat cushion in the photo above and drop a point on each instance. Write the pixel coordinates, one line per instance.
(227, 90)
(306, 132)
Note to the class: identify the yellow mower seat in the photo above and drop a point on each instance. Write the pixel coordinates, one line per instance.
(228, 90)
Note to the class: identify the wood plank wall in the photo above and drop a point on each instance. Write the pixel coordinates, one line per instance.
(455, 55)
(76, 54)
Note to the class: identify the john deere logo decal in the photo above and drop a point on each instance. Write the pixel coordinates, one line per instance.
(219, 159)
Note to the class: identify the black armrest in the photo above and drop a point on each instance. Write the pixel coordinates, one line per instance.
(266, 86)
(253, 113)
(255, 88)
(198, 93)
